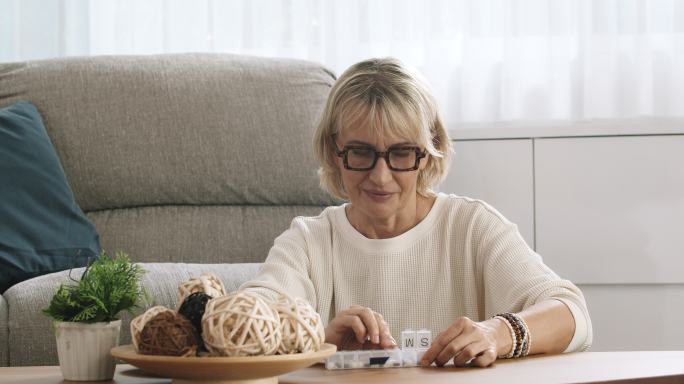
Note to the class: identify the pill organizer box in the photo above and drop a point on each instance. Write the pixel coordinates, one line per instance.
(413, 347)
(376, 358)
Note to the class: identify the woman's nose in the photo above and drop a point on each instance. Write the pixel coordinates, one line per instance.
(381, 174)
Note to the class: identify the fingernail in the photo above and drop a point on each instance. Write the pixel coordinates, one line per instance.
(394, 342)
(376, 338)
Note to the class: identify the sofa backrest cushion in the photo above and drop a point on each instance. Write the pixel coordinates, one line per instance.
(42, 229)
(174, 156)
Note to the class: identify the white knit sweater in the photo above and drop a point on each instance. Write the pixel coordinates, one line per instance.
(463, 259)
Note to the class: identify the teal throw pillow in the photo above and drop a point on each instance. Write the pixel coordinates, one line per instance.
(42, 229)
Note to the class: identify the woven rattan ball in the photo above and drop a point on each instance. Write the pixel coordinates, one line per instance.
(138, 323)
(206, 282)
(240, 324)
(169, 334)
(193, 309)
(300, 325)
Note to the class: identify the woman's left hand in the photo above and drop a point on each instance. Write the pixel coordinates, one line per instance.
(467, 341)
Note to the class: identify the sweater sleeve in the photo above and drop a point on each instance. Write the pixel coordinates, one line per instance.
(515, 277)
(286, 268)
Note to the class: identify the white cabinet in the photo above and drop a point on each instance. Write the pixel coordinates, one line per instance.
(610, 210)
(604, 212)
(636, 317)
(498, 172)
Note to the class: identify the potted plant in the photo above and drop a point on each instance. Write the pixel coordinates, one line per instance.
(86, 314)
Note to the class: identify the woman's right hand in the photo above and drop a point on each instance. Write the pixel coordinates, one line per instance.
(359, 327)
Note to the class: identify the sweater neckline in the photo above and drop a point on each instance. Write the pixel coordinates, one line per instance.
(402, 241)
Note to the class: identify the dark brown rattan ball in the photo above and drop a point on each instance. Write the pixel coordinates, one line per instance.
(193, 309)
(169, 334)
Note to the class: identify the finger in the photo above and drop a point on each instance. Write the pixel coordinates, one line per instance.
(443, 340)
(371, 324)
(369, 345)
(355, 323)
(470, 352)
(386, 339)
(455, 348)
(345, 320)
(486, 358)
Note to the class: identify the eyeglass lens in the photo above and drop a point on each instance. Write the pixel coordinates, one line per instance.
(399, 158)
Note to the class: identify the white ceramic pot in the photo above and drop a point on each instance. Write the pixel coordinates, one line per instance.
(83, 349)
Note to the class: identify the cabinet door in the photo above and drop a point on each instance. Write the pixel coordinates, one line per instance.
(643, 317)
(611, 209)
(498, 172)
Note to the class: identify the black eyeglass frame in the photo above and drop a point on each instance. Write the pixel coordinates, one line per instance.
(420, 153)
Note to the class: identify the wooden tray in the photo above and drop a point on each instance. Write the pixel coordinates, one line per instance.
(248, 369)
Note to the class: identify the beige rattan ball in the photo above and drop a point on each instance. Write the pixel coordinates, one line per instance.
(300, 325)
(240, 324)
(206, 282)
(138, 323)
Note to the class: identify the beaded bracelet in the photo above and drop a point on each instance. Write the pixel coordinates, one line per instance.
(528, 341)
(513, 337)
(517, 325)
(523, 329)
(528, 336)
(520, 333)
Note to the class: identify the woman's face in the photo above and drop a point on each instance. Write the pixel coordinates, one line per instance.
(379, 193)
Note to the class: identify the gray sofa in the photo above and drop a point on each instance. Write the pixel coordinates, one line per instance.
(188, 162)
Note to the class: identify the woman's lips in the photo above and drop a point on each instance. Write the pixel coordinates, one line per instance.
(379, 196)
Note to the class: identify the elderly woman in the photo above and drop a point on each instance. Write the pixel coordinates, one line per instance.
(398, 255)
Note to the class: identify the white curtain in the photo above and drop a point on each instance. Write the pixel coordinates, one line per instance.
(486, 60)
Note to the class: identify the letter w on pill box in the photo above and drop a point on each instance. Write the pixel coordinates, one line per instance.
(408, 339)
(413, 347)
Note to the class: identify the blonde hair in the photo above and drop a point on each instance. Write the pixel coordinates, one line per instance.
(390, 100)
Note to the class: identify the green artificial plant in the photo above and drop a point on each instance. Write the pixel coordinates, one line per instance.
(108, 287)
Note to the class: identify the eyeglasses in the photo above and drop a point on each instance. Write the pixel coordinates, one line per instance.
(364, 157)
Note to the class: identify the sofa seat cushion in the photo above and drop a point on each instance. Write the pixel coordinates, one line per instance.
(43, 229)
(31, 338)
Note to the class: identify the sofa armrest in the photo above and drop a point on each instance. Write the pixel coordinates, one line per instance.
(4, 333)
